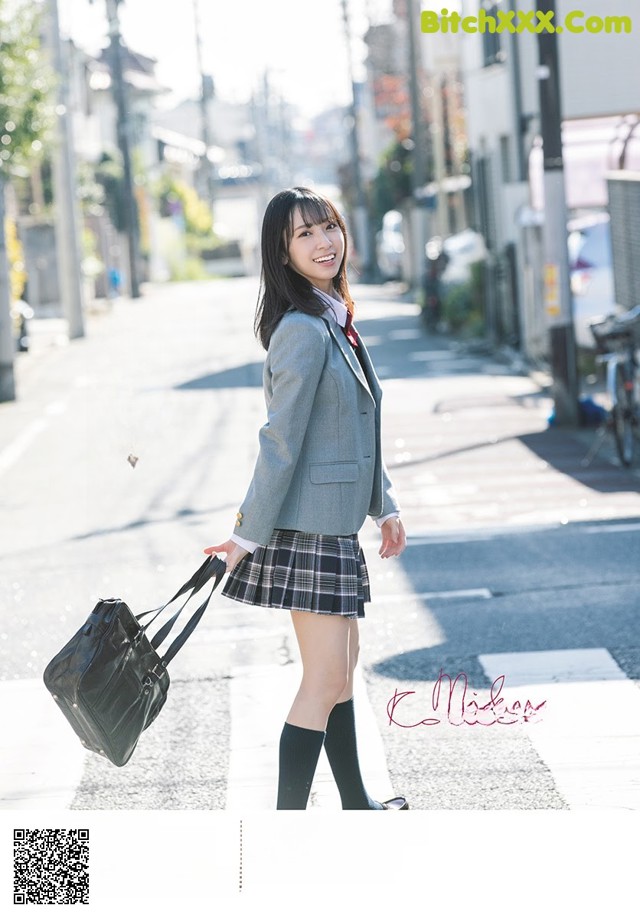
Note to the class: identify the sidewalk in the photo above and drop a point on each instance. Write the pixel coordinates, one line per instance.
(468, 441)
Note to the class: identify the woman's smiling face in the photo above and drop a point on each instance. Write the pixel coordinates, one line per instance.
(316, 251)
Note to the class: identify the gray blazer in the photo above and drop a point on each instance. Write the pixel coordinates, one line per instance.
(320, 466)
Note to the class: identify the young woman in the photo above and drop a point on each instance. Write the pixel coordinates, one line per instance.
(319, 473)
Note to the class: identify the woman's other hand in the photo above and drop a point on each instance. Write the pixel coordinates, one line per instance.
(233, 551)
(394, 539)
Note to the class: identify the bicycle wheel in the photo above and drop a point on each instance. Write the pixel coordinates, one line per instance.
(624, 417)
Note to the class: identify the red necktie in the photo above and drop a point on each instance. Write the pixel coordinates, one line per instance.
(350, 330)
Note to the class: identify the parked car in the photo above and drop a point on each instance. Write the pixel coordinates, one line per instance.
(390, 246)
(21, 313)
(461, 251)
(591, 272)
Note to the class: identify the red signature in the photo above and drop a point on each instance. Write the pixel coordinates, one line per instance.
(451, 703)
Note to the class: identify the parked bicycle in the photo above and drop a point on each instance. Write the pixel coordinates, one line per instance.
(617, 339)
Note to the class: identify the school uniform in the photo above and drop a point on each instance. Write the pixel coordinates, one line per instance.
(319, 472)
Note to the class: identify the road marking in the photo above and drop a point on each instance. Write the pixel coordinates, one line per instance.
(56, 408)
(408, 334)
(612, 527)
(12, 453)
(260, 700)
(485, 534)
(589, 735)
(41, 758)
(479, 593)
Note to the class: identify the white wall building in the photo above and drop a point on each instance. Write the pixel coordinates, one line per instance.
(599, 80)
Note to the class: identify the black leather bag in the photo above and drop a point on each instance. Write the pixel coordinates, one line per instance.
(109, 680)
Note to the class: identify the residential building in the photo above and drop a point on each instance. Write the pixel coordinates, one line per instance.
(599, 79)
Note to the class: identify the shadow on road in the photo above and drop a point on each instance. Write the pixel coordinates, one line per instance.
(426, 664)
(566, 452)
(245, 376)
(185, 515)
(399, 346)
(496, 627)
(550, 589)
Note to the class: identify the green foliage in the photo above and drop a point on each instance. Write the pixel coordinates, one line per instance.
(26, 81)
(463, 305)
(15, 255)
(392, 184)
(90, 191)
(92, 264)
(191, 269)
(179, 198)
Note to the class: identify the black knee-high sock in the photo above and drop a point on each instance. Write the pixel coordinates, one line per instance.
(342, 753)
(299, 752)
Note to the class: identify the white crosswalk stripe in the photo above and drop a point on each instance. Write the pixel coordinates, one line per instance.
(260, 700)
(589, 735)
(41, 759)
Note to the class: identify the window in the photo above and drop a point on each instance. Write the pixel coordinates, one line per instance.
(491, 40)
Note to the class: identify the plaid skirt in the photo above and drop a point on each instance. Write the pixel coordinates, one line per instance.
(304, 571)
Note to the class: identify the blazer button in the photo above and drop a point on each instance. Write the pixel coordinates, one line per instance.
(239, 516)
(238, 522)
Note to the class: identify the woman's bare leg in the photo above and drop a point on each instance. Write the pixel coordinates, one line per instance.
(327, 675)
(354, 650)
(324, 647)
(340, 740)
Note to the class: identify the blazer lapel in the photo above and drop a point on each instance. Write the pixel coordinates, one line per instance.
(347, 351)
(370, 373)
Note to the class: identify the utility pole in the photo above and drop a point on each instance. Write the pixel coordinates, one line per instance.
(7, 345)
(124, 142)
(557, 298)
(418, 153)
(361, 215)
(206, 94)
(67, 221)
(516, 82)
(439, 156)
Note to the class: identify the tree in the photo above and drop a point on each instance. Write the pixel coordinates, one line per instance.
(26, 116)
(392, 184)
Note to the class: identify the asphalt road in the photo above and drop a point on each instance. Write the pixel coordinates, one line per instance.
(515, 548)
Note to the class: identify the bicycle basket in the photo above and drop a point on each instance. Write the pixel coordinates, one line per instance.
(614, 331)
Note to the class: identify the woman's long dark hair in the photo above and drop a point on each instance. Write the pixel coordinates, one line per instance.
(281, 287)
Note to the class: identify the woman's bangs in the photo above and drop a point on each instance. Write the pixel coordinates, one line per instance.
(313, 210)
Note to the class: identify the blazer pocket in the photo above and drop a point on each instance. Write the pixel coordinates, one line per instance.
(331, 472)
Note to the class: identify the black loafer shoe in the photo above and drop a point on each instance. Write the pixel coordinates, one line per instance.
(396, 803)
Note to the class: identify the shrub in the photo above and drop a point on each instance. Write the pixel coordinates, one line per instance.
(17, 273)
(191, 269)
(463, 304)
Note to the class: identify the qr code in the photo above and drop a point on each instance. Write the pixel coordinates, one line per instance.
(51, 866)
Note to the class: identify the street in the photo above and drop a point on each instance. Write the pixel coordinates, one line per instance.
(129, 452)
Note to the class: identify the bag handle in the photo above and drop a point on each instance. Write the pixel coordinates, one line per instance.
(189, 628)
(213, 567)
(194, 583)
